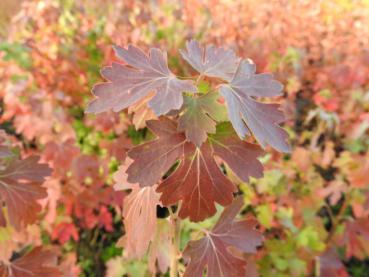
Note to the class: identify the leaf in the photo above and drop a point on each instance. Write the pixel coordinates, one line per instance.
(5, 152)
(249, 116)
(213, 251)
(240, 156)
(139, 213)
(265, 215)
(356, 238)
(141, 113)
(160, 248)
(198, 180)
(115, 267)
(61, 156)
(20, 188)
(358, 176)
(70, 266)
(50, 203)
(331, 265)
(38, 263)
(8, 244)
(199, 183)
(128, 84)
(211, 61)
(199, 117)
(154, 158)
(105, 219)
(64, 231)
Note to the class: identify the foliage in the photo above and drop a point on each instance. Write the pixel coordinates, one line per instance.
(168, 135)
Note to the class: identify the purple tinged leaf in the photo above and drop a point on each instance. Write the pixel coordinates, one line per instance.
(128, 84)
(331, 264)
(211, 61)
(249, 116)
(212, 251)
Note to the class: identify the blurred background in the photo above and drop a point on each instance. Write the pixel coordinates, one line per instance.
(313, 205)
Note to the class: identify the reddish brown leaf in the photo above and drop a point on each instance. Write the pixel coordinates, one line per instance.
(86, 166)
(198, 180)
(239, 155)
(63, 232)
(153, 159)
(358, 177)
(20, 188)
(128, 85)
(38, 263)
(199, 183)
(213, 251)
(105, 219)
(61, 155)
(357, 238)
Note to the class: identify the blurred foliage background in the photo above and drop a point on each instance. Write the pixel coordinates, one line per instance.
(312, 205)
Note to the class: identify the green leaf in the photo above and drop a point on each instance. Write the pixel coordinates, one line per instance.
(200, 116)
(309, 237)
(265, 215)
(203, 87)
(16, 52)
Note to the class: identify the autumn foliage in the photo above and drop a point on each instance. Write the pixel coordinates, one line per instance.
(226, 138)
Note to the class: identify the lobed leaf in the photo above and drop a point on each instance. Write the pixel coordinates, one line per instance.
(160, 248)
(211, 61)
(38, 263)
(197, 181)
(356, 238)
(213, 251)
(239, 155)
(139, 213)
(141, 113)
(331, 265)
(249, 116)
(200, 116)
(128, 84)
(64, 231)
(20, 188)
(153, 159)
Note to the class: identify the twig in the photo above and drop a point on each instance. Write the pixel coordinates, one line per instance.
(335, 221)
(176, 236)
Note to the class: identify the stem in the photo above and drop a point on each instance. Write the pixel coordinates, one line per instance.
(199, 79)
(317, 267)
(176, 235)
(336, 221)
